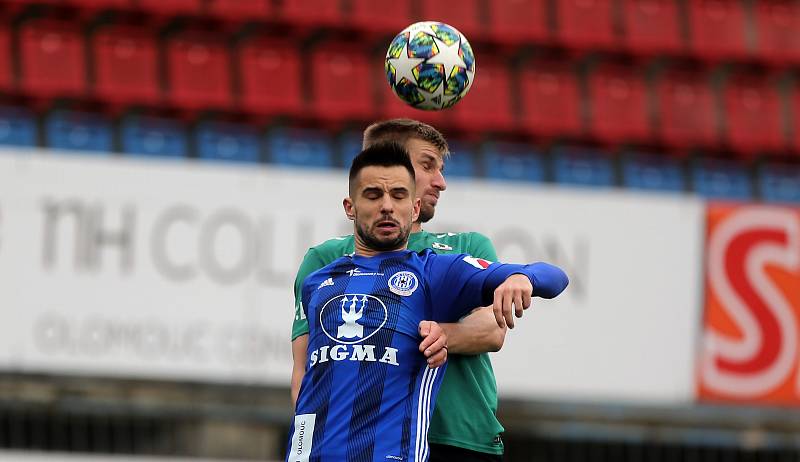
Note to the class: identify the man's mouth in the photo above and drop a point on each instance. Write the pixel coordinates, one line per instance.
(387, 225)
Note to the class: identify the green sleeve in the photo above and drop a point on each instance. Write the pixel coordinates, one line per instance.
(481, 247)
(311, 262)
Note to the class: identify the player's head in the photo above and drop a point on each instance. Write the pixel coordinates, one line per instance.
(428, 150)
(382, 202)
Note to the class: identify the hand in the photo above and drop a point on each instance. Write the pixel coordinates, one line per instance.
(434, 343)
(516, 290)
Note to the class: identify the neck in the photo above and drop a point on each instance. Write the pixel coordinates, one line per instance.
(416, 227)
(365, 251)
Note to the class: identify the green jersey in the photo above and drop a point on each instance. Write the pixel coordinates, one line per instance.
(467, 400)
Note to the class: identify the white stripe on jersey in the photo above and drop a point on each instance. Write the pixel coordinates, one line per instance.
(423, 413)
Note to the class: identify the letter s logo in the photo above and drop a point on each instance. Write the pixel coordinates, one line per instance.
(750, 344)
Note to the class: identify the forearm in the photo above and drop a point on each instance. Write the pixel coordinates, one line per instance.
(547, 280)
(299, 355)
(475, 334)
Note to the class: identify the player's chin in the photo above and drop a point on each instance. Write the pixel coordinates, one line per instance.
(426, 212)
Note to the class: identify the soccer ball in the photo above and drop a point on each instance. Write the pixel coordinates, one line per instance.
(430, 65)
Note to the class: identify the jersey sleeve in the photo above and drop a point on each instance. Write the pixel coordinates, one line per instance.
(311, 262)
(481, 247)
(458, 283)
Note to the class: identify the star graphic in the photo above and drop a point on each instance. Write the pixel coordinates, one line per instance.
(404, 66)
(447, 56)
(433, 99)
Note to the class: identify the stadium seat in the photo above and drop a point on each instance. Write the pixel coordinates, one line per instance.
(270, 76)
(777, 25)
(462, 162)
(752, 111)
(171, 7)
(518, 21)
(153, 136)
(241, 10)
(618, 104)
(126, 65)
(226, 141)
(717, 28)
(582, 167)
(100, 4)
(650, 172)
(488, 105)
(513, 161)
(686, 112)
(81, 131)
(721, 179)
(17, 126)
(312, 12)
(52, 58)
(585, 23)
(6, 66)
(340, 82)
(779, 182)
(300, 148)
(199, 71)
(651, 26)
(550, 99)
(466, 17)
(349, 145)
(389, 16)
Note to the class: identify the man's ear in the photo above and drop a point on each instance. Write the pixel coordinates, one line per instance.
(417, 206)
(348, 208)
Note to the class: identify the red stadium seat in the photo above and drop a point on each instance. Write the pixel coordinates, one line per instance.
(618, 102)
(240, 10)
(777, 26)
(171, 7)
(515, 21)
(52, 58)
(795, 118)
(686, 114)
(126, 65)
(585, 23)
(6, 74)
(651, 26)
(270, 76)
(312, 12)
(717, 28)
(198, 70)
(100, 4)
(488, 105)
(340, 81)
(752, 108)
(550, 99)
(390, 16)
(465, 18)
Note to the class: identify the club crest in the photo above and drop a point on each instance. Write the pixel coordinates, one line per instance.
(403, 283)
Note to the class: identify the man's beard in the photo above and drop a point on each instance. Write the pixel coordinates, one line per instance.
(372, 242)
(426, 213)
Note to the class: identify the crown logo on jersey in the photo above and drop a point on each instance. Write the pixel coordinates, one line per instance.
(352, 318)
(351, 328)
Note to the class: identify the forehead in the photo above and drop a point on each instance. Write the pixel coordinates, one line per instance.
(384, 177)
(421, 150)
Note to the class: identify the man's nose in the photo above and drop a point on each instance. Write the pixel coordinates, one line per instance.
(439, 181)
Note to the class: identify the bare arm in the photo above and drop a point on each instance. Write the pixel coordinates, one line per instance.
(476, 333)
(299, 354)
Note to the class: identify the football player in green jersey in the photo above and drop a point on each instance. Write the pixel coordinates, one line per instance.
(464, 426)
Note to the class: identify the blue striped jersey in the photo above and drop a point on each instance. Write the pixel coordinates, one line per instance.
(367, 394)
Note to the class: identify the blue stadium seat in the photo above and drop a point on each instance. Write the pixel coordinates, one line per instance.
(226, 141)
(349, 147)
(82, 131)
(582, 167)
(153, 136)
(17, 126)
(461, 162)
(653, 173)
(779, 182)
(300, 147)
(509, 161)
(721, 179)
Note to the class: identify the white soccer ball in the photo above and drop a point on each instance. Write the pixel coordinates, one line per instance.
(430, 65)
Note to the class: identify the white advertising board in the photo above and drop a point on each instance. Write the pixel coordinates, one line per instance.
(178, 270)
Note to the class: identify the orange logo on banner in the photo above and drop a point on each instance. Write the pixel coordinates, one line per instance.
(750, 349)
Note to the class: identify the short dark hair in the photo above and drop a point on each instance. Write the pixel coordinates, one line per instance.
(402, 130)
(388, 154)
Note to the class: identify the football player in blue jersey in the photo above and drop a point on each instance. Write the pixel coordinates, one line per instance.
(368, 392)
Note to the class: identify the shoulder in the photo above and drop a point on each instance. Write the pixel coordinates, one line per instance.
(323, 254)
(465, 242)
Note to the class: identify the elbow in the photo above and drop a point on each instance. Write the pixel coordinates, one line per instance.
(496, 341)
(554, 281)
